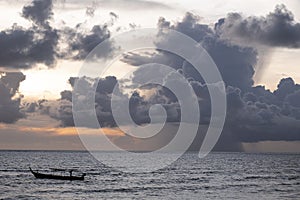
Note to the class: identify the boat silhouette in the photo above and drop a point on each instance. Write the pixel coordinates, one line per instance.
(40, 175)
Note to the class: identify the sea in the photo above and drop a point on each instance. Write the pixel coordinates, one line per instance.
(217, 176)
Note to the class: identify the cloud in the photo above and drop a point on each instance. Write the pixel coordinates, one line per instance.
(67, 95)
(60, 110)
(23, 48)
(293, 99)
(253, 116)
(43, 44)
(254, 113)
(113, 15)
(235, 63)
(26, 47)
(277, 29)
(39, 12)
(10, 110)
(262, 115)
(30, 107)
(286, 87)
(138, 105)
(90, 10)
(80, 44)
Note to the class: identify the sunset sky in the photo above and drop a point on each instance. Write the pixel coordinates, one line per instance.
(44, 43)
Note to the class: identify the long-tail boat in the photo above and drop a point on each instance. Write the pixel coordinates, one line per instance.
(40, 175)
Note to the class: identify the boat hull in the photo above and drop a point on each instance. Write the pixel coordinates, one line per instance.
(57, 177)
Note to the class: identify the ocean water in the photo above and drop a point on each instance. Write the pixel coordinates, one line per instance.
(218, 176)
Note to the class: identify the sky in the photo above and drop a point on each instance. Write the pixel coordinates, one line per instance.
(44, 44)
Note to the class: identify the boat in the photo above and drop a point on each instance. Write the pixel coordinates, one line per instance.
(70, 177)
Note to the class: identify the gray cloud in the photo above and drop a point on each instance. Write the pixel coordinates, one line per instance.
(138, 105)
(39, 11)
(264, 116)
(286, 87)
(10, 110)
(235, 63)
(293, 99)
(60, 110)
(30, 107)
(42, 44)
(67, 95)
(114, 15)
(277, 29)
(252, 116)
(25, 47)
(254, 113)
(90, 10)
(83, 44)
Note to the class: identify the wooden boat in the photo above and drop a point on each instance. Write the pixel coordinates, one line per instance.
(58, 177)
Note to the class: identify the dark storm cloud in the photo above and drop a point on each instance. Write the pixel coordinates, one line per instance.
(67, 95)
(138, 105)
(9, 99)
(81, 44)
(42, 44)
(39, 11)
(235, 63)
(252, 116)
(286, 87)
(254, 113)
(263, 115)
(62, 108)
(25, 47)
(277, 29)
(294, 99)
